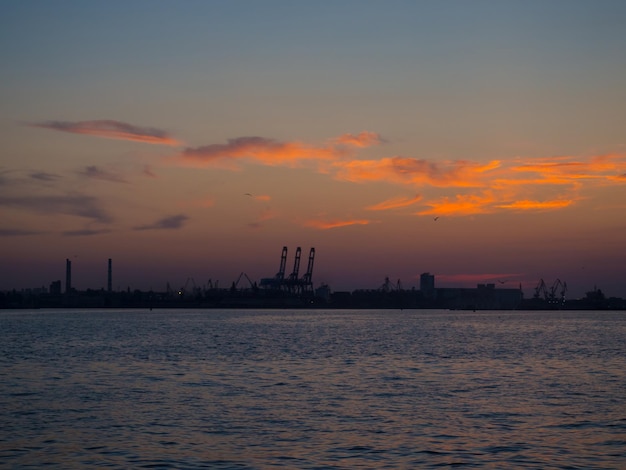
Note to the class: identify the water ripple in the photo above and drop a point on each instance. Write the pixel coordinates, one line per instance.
(312, 390)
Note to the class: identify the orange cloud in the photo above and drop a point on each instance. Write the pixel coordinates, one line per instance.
(526, 204)
(111, 129)
(394, 203)
(206, 202)
(267, 151)
(363, 139)
(264, 216)
(461, 205)
(328, 224)
(497, 185)
(274, 153)
(486, 203)
(502, 185)
(544, 180)
(607, 167)
(494, 174)
(260, 197)
(147, 171)
(414, 171)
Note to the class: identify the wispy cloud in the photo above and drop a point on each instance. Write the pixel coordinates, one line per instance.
(99, 174)
(273, 152)
(520, 185)
(595, 167)
(44, 176)
(85, 232)
(335, 223)
(206, 202)
(547, 205)
(362, 139)
(477, 187)
(266, 214)
(395, 203)
(416, 172)
(488, 202)
(166, 223)
(8, 232)
(461, 204)
(111, 129)
(74, 204)
(260, 149)
(14, 177)
(147, 171)
(259, 197)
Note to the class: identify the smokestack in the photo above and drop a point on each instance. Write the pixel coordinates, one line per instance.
(110, 277)
(68, 276)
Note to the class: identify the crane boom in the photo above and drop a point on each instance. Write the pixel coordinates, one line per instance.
(296, 265)
(309, 269)
(283, 263)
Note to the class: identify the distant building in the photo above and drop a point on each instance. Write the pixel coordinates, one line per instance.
(68, 276)
(427, 285)
(55, 287)
(323, 292)
(110, 277)
(483, 296)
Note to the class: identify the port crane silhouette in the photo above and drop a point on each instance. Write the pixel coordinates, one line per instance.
(550, 294)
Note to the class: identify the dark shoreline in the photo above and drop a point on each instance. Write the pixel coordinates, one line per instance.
(410, 299)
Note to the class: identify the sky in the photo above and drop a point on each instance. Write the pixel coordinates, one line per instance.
(482, 141)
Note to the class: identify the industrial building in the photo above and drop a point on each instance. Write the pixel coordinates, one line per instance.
(290, 290)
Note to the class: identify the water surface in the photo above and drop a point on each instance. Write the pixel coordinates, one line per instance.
(312, 389)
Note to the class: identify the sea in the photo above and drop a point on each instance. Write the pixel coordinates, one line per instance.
(312, 389)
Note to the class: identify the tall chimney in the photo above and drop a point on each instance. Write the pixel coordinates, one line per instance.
(110, 277)
(68, 276)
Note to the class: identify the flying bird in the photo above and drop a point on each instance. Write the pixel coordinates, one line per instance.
(435, 218)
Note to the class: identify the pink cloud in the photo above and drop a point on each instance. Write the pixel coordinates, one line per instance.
(210, 202)
(259, 197)
(412, 171)
(264, 216)
(363, 139)
(147, 171)
(394, 203)
(527, 204)
(267, 151)
(335, 223)
(111, 129)
(487, 187)
(173, 222)
(274, 153)
(461, 204)
(97, 173)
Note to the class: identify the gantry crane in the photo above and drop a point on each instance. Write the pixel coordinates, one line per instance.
(541, 289)
(550, 295)
(292, 281)
(307, 280)
(280, 276)
(235, 285)
(553, 291)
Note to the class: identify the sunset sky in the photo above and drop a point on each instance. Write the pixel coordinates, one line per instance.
(480, 141)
